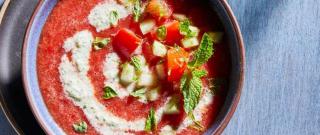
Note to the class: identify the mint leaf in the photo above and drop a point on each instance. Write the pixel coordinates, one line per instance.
(114, 17)
(100, 42)
(109, 93)
(196, 124)
(80, 127)
(200, 73)
(151, 123)
(191, 86)
(185, 30)
(162, 32)
(204, 52)
(136, 10)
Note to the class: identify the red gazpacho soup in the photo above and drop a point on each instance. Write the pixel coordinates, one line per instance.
(133, 66)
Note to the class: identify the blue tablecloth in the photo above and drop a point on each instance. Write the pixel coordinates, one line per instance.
(281, 95)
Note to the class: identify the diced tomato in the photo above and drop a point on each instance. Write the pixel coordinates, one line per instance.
(148, 54)
(159, 9)
(177, 59)
(173, 33)
(126, 42)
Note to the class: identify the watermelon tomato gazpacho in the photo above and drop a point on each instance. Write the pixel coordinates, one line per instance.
(133, 67)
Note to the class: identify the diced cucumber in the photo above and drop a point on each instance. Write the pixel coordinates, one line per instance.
(153, 94)
(173, 106)
(159, 49)
(190, 42)
(216, 36)
(179, 17)
(146, 79)
(128, 74)
(143, 99)
(147, 25)
(160, 71)
(131, 87)
(194, 30)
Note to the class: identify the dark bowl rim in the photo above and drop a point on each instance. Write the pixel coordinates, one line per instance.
(241, 78)
(226, 118)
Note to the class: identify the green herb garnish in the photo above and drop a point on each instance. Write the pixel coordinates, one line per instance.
(151, 123)
(114, 17)
(185, 30)
(80, 127)
(136, 10)
(100, 42)
(191, 86)
(162, 32)
(200, 73)
(140, 93)
(137, 63)
(196, 124)
(203, 53)
(109, 93)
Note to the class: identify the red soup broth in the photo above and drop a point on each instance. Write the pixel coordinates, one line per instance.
(66, 19)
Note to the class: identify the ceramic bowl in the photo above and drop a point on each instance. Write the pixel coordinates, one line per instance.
(40, 110)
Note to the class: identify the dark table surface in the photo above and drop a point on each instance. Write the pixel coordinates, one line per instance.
(281, 95)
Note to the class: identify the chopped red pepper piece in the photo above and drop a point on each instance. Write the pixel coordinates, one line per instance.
(158, 9)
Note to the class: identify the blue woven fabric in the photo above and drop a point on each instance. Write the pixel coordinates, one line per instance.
(281, 95)
(1, 2)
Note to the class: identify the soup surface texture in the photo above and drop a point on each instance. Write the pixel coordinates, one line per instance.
(133, 67)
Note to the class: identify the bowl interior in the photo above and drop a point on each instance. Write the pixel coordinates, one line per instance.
(31, 81)
(237, 64)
